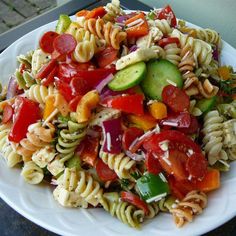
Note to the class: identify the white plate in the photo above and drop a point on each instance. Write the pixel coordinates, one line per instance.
(37, 204)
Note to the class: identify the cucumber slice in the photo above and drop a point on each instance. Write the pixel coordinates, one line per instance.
(206, 104)
(128, 77)
(62, 24)
(160, 73)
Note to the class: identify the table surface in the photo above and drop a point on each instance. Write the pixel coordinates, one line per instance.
(13, 223)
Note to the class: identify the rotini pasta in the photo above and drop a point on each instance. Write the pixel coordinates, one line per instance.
(113, 10)
(39, 93)
(120, 163)
(213, 139)
(172, 52)
(125, 212)
(193, 204)
(31, 173)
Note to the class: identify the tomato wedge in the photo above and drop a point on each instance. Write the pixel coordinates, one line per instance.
(50, 77)
(128, 103)
(79, 86)
(106, 56)
(46, 69)
(74, 102)
(46, 41)
(180, 188)
(27, 112)
(152, 164)
(175, 98)
(7, 114)
(129, 136)
(168, 14)
(64, 44)
(135, 200)
(64, 89)
(190, 158)
(104, 172)
(95, 13)
(165, 41)
(88, 150)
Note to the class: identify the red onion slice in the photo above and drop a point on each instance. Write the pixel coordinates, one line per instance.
(104, 82)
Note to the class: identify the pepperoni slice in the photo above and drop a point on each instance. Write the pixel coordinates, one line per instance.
(104, 172)
(46, 41)
(64, 44)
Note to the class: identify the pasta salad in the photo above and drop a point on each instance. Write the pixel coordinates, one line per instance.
(130, 112)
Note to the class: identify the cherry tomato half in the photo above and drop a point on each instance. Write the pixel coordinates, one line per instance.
(175, 98)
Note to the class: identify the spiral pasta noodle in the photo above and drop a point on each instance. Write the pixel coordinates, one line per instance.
(153, 210)
(124, 211)
(10, 156)
(192, 204)
(120, 163)
(213, 137)
(24, 80)
(201, 49)
(232, 153)
(38, 93)
(31, 173)
(65, 193)
(26, 59)
(37, 137)
(229, 133)
(69, 139)
(112, 35)
(113, 10)
(172, 52)
(164, 26)
(88, 188)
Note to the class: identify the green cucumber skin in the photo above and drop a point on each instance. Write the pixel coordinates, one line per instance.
(126, 78)
(206, 104)
(63, 23)
(158, 72)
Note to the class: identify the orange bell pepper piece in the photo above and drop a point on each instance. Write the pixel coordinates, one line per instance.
(82, 13)
(224, 72)
(49, 107)
(210, 182)
(144, 122)
(137, 30)
(158, 110)
(95, 13)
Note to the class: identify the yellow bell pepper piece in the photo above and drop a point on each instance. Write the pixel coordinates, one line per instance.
(144, 122)
(158, 110)
(49, 107)
(88, 102)
(224, 72)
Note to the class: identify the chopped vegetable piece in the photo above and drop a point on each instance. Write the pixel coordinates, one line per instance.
(144, 122)
(206, 104)
(167, 14)
(49, 107)
(152, 187)
(106, 56)
(165, 41)
(46, 69)
(180, 120)
(104, 172)
(63, 23)
(210, 182)
(98, 12)
(74, 162)
(7, 114)
(128, 77)
(193, 127)
(22, 120)
(158, 110)
(152, 164)
(64, 89)
(112, 133)
(175, 98)
(224, 72)
(50, 77)
(129, 136)
(82, 13)
(128, 103)
(74, 102)
(84, 108)
(160, 73)
(137, 29)
(135, 200)
(46, 41)
(88, 150)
